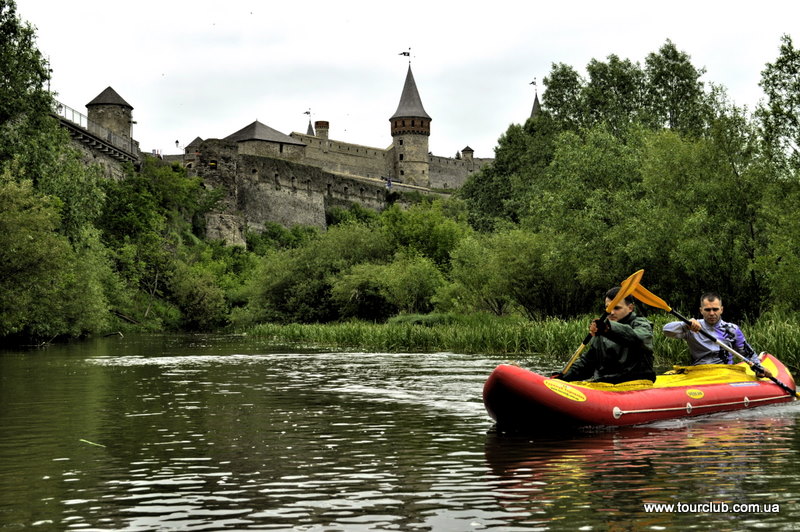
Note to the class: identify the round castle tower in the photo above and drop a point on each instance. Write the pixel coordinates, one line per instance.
(411, 127)
(110, 111)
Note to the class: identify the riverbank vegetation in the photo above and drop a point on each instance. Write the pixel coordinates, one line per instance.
(633, 165)
(514, 337)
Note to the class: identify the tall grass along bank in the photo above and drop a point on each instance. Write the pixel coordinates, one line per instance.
(551, 338)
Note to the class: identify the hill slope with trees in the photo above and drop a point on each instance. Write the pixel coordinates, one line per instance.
(635, 165)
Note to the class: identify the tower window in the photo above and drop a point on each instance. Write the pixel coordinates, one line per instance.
(401, 156)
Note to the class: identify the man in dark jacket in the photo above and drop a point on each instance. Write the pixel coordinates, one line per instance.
(621, 350)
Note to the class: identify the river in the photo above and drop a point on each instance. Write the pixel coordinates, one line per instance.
(165, 432)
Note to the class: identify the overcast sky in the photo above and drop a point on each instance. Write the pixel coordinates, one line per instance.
(208, 68)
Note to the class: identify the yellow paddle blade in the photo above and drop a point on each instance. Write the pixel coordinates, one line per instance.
(627, 287)
(648, 298)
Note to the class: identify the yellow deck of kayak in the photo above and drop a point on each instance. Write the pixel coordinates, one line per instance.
(685, 376)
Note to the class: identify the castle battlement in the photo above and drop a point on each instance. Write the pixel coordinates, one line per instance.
(295, 179)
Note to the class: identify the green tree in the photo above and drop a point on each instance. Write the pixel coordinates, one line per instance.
(275, 236)
(32, 144)
(359, 292)
(539, 273)
(780, 263)
(497, 195)
(48, 289)
(355, 214)
(25, 103)
(614, 94)
(410, 282)
(73, 281)
(423, 228)
(198, 295)
(780, 132)
(701, 214)
(563, 97)
(674, 94)
(780, 114)
(148, 223)
(295, 285)
(479, 278)
(488, 194)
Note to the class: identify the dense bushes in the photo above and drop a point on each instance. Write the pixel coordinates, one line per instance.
(634, 167)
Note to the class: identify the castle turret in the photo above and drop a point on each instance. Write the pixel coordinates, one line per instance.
(322, 128)
(411, 127)
(110, 111)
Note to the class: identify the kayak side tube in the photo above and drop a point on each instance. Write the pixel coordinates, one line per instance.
(517, 398)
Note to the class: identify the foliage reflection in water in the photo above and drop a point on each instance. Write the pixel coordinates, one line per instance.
(182, 433)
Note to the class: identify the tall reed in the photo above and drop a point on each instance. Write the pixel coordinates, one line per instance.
(552, 338)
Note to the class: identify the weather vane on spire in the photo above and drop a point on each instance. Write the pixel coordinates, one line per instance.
(534, 85)
(407, 54)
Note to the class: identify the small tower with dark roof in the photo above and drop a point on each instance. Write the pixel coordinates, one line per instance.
(411, 127)
(110, 111)
(322, 127)
(537, 108)
(261, 140)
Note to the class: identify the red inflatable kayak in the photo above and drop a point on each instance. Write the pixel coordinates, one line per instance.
(519, 399)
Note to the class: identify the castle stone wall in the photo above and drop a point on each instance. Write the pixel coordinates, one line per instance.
(417, 167)
(261, 189)
(345, 158)
(110, 168)
(291, 152)
(449, 173)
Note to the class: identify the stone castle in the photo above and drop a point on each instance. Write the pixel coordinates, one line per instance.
(407, 160)
(268, 176)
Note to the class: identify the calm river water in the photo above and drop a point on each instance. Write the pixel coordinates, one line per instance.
(224, 433)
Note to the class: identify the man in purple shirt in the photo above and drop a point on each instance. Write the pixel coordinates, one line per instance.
(703, 350)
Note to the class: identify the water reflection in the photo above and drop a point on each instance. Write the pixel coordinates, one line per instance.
(189, 433)
(610, 476)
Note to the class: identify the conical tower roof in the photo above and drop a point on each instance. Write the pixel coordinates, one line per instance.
(109, 97)
(537, 108)
(410, 103)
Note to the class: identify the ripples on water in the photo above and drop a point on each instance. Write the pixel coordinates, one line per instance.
(201, 437)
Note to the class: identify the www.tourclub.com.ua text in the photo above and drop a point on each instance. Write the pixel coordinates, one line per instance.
(712, 507)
